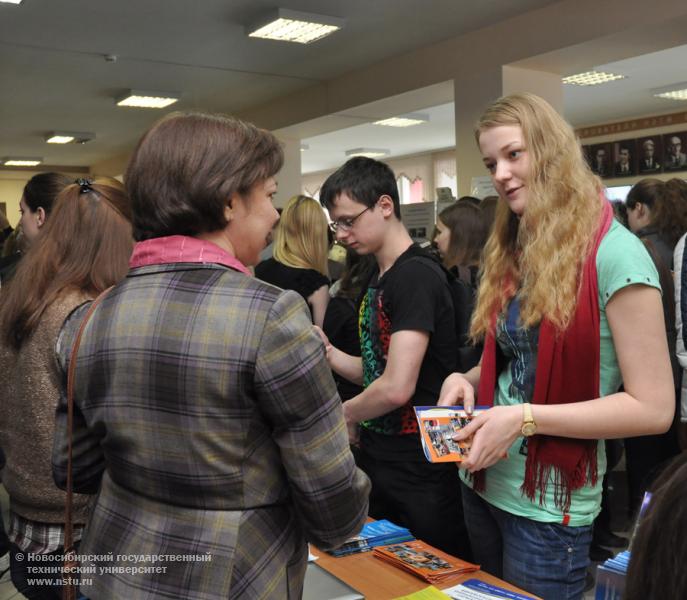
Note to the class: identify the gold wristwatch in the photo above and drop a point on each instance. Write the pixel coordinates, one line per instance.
(529, 427)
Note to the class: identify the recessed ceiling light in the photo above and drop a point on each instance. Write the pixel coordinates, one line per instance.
(679, 93)
(59, 139)
(368, 152)
(22, 161)
(404, 120)
(12, 1)
(66, 137)
(147, 99)
(591, 78)
(294, 26)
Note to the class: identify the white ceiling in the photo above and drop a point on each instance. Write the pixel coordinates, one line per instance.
(630, 97)
(614, 101)
(54, 75)
(328, 150)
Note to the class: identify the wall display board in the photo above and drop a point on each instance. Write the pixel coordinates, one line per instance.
(419, 220)
(481, 187)
(617, 193)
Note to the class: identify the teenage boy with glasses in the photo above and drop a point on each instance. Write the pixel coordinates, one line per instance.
(408, 344)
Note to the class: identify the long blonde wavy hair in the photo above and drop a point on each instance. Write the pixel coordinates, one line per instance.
(301, 236)
(539, 255)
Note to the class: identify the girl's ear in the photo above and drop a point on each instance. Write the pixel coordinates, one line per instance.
(40, 216)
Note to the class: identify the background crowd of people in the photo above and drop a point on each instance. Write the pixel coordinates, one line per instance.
(209, 380)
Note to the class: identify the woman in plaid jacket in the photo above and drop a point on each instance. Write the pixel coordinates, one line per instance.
(206, 413)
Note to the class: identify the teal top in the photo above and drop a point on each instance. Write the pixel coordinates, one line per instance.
(621, 260)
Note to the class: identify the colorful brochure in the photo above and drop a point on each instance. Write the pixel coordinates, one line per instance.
(438, 425)
(375, 533)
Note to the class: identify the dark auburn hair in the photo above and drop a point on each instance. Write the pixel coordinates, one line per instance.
(357, 273)
(668, 211)
(363, 180)
(659, 549)
(41, 190)
(469, 231)
(85, 245)
(186, 168)
(470, 200)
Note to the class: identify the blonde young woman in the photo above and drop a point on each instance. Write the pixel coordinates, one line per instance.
(569, 307)
(299, 260)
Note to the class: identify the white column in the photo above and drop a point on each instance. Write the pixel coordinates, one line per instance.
(289, 178)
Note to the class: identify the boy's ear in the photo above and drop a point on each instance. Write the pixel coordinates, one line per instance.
(386, 204)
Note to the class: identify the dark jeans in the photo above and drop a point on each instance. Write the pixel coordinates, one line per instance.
(421, 496)
(546, 559)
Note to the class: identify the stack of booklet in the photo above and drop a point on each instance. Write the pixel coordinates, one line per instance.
(424, 561)
(376, 533)
(610, 577)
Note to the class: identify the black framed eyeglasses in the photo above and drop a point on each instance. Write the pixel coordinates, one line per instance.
(346, 224)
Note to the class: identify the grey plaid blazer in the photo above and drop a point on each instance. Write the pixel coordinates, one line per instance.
(208, 419)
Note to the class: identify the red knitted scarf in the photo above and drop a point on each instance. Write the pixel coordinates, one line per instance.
(567, 371)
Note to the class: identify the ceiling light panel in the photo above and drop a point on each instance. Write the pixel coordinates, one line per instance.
(146, 99)
(678, 93)
(22, 161)
(404, 120)
(12, 1)
(368, 152)
(60, 139)
(66, 137)
(293, 26)
(591, 78)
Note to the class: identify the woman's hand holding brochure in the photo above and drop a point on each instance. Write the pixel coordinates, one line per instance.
(493, 431)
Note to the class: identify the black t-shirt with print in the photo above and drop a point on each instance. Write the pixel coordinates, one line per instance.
(411, 296)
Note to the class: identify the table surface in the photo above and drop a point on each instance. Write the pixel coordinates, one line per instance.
(377, 580)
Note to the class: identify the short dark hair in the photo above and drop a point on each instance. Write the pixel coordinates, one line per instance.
(186, 168)
(364, 180)
(41, 190)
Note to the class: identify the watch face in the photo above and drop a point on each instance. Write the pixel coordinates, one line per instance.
(528, 429)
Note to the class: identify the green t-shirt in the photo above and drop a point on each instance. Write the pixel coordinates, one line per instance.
(621, 260)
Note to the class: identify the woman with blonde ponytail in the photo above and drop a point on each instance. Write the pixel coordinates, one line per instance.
(569, 308)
